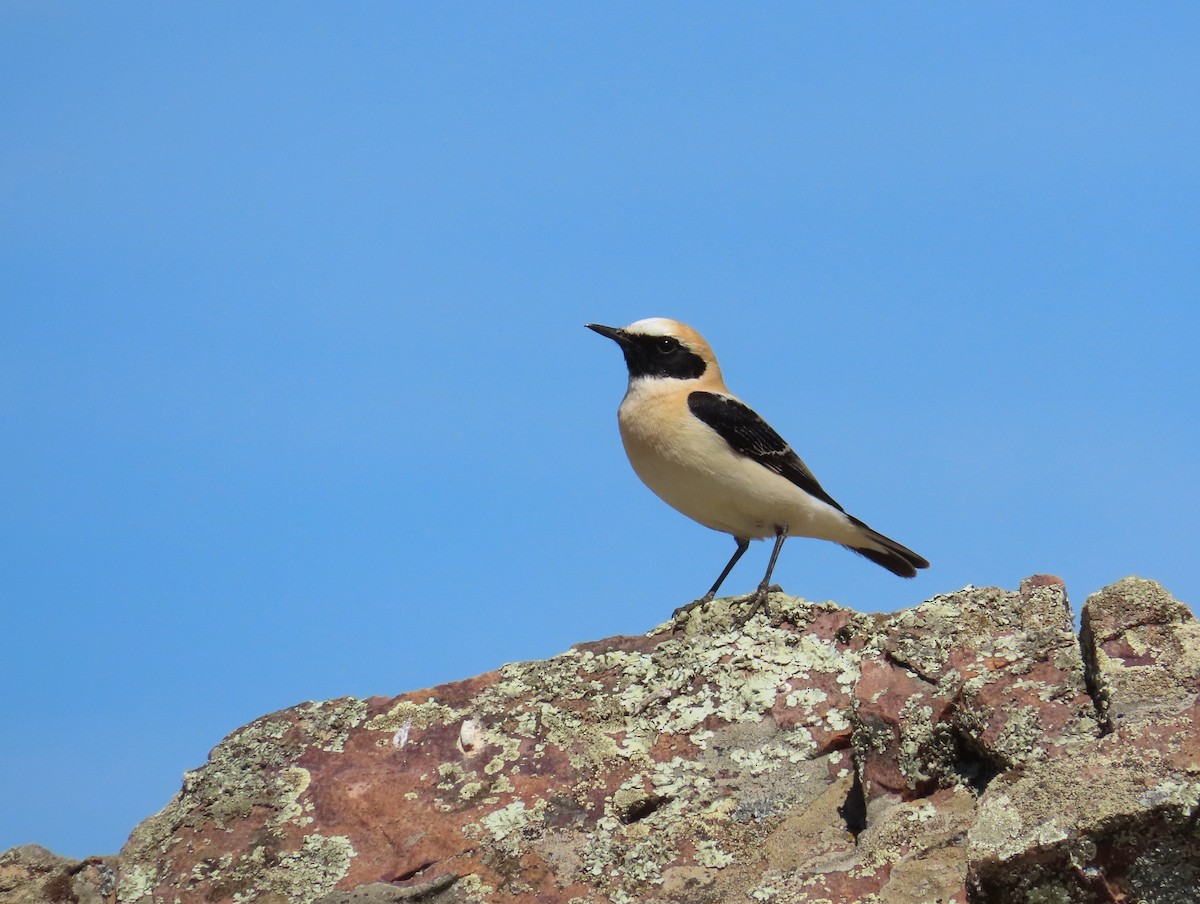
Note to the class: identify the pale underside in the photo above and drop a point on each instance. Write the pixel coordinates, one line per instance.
(694, 470)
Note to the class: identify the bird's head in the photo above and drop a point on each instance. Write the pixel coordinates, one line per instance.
(659, 348)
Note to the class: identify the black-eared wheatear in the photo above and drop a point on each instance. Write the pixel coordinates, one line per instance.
(707, 454)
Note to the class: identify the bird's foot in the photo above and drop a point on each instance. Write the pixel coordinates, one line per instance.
(757, 602)
(686, 609)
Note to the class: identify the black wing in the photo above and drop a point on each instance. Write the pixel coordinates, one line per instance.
(749, 435)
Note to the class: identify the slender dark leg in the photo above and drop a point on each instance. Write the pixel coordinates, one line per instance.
(742, 545)
(760, 595)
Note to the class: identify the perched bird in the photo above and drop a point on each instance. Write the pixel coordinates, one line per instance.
(707, 454)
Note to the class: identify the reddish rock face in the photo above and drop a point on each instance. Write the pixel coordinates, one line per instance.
(1117, 819)
(947, 753)
(969, 685)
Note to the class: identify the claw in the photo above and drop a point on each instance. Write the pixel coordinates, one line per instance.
(757, 600)
(685, 609)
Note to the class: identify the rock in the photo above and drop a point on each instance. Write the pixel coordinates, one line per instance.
(1116, 819)
(33, 875)
(1143, 649)
(967, 750)
(969, 685)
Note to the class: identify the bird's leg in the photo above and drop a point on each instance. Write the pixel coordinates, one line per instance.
(760, 595)
(742, 545)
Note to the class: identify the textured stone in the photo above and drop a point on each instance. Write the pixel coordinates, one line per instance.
(946, 753)
(1143, 651)
(1113, 820)
(968, 685)
(33, 875)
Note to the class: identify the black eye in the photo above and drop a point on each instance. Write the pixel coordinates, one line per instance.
(666, 345)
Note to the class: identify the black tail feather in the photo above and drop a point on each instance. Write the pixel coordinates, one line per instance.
(899, 560)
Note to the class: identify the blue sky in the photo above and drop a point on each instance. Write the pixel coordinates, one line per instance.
(297, 398)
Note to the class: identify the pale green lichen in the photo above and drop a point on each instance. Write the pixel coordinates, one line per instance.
(291, 782)
(473, 889)
(921, 812)
(254, 769)
(1019, 740)
(619, 855)
(792, 746)
(710, 854)
(701, 738)
(506, 824)
(327, 724)
(1172, 792)
(764, 892)
(618, 710)
(916, 741)
(677, 776)
(136, 882)
(414, 715)
(452, 774)
(836, 720)
(301, 876)
(807, 697)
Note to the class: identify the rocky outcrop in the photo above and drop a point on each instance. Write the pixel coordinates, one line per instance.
(33, 875)
(971, 749)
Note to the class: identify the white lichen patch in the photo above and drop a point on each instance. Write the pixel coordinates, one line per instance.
(916, 740)
(836, 720)
(452, 774)
(792, 747)
(510, 750)
(701, 738)
(764, 892)
(298, 877)
(1172, 792)
(615, 856)
(921, 812)
(416, 715)
(1020, 739)
(473, 889)
(136, 883)
(470, 790)
(328, 723)
(526, 724)
(1045, 692)
(945, 608)
(678, 777)
(807, 697)
(252, 768)
(999, 829)
(504, 822)
(1006, 646)
(710, 854)
(291, 783)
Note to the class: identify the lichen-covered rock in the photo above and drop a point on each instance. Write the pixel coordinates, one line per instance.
(1115, 819)
(947, 753)
(33, 875)
(968, 685)
(1114, 822)
(1143, 648)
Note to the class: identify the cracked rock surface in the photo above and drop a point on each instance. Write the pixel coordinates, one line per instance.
(971, 749)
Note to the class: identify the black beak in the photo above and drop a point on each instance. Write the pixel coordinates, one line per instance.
(616, 335)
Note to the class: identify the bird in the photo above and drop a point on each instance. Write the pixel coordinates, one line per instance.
(707, 454)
